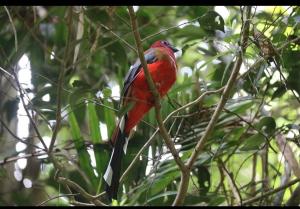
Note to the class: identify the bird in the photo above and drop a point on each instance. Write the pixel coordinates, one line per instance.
(136, 95)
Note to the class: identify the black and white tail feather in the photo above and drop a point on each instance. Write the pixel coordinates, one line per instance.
(112, 173)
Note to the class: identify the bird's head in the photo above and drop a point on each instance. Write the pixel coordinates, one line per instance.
(162, 43)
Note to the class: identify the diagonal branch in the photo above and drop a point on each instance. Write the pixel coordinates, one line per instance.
(27, 112)
(225, 95)
(60, 83)
(254, 199)
(13, 27)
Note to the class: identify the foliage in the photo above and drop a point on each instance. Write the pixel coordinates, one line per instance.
(85, 47)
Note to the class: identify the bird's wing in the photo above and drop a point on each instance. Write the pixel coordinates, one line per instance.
(150, 57)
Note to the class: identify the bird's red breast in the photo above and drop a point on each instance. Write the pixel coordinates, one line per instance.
(163, 73)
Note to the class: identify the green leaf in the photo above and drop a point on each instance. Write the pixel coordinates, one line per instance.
(279, 92)
(80, 84)
(241, 106)
(266, 125)
(253, 142)
(204, 182)
(161, 183)
(109, 116)
(168, 193)
(93, 123)
(212, 21)
(83, 155)
(107, 92)
(190, 32)
(125, 109)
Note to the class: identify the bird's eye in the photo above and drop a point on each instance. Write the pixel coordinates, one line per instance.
(165, 42)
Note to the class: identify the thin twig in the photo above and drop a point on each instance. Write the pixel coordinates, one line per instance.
(232, 183)
(55, 197)
(13, 27)
(173, 27)
(27, 112)
(16, 137)
(60, 83)
(254, 199)
(6, 72)
(78, 188)
(225, 95)
(112, 32)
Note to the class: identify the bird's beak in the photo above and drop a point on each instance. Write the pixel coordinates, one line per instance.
(174, 49)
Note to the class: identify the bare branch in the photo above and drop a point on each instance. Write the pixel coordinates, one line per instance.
(231, 182)
(60, 83)
(244, 39)
(254, 199)
(27, 112)
(13, 27)
(288, 154)
(55, 197)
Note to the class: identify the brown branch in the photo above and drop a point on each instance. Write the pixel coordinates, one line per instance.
(265, 170)
(221, 184)
(150, 140)
(225, 95)
(60, 83)
(17, 138)
(55, 197)
(252, 182)
(112, 32)
(254, 199)
(231, 182)
(173, 27)
(284, 180)
(13, 27)
(288, 154)
(79, 189)
(39, 136)
(294, 199)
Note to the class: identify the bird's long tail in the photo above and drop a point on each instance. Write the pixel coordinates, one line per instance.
(112, 173)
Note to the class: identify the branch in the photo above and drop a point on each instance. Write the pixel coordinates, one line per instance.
(112, 32)
(17, 138)
(13, 27)
(173, 27)
(231, 182)
(233, 77)
(284, 180)
(254, 199)
(225, 94)
(150, 140)
(60, 84)
(288, 154)
(294, 199)
(78, 188)
(55, 197)
(27, 112)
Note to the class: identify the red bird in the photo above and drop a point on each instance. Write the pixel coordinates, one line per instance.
(162, 66)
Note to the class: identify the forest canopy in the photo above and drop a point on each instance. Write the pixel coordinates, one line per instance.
(226, 133)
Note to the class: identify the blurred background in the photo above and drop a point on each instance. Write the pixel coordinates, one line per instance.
(70, 64)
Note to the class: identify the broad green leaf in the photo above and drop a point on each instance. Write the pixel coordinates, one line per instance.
(266, 125)
(93, 123)
(212, 21)
(161, 183)
(83, 155)
(168, 193)
(189, 33)
(253, 142)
